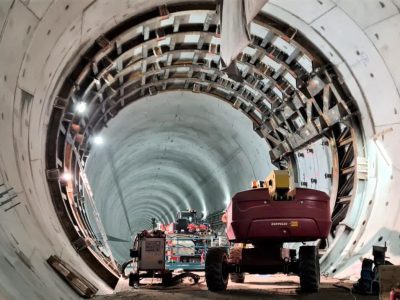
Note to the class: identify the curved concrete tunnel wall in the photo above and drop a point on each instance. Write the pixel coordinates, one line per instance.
(360, 40)
(40, 42)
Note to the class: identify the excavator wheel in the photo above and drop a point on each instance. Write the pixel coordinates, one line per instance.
(309, 272)
(216, 270)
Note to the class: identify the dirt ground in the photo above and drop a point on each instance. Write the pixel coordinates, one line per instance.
(255, 287)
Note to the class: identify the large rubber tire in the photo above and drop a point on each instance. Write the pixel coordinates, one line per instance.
(216, 269)
(309, 269)
(237, 277)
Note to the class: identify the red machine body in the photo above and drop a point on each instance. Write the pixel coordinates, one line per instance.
(252, 215)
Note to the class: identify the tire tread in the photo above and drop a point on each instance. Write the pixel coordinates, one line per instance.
(213, 269)
(309, 269)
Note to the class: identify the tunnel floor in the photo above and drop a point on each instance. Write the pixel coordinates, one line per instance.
(255, 287)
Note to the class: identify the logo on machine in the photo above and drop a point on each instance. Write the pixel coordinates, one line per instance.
(279, 223)
(291, 223)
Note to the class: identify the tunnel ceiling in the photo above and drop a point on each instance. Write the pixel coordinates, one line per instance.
(171, 152)
(292, 96)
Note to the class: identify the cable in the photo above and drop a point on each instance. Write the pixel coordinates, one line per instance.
(123, 267)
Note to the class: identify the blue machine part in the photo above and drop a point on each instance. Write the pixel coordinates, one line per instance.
(188, 252)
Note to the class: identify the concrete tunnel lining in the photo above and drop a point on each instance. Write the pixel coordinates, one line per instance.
(111, 105)
(377, 57)
(150, 64)
(188, 150)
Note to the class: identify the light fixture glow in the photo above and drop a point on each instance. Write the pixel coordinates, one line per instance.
(80, 107)
(66, 176)
(98, 140)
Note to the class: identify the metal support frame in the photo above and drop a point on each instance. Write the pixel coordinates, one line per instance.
(291, 94)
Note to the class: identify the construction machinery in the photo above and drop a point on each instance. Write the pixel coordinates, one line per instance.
(187, 241)
(258, 223)
(180, 245)
(149, 260)
(188, 222)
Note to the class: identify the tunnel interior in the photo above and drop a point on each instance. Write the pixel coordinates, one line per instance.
(135, 119)
(293, 97)
(171, 152)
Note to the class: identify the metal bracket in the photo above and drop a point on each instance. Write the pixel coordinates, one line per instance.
(53, 174)
(81, 243)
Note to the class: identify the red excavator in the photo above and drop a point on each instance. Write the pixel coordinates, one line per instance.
(259, 221)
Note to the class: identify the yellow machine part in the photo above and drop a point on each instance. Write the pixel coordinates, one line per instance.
(278, 179)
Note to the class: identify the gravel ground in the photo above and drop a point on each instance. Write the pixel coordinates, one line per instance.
(255, 287)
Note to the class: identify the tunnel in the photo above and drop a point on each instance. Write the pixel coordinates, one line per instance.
(117, 112)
